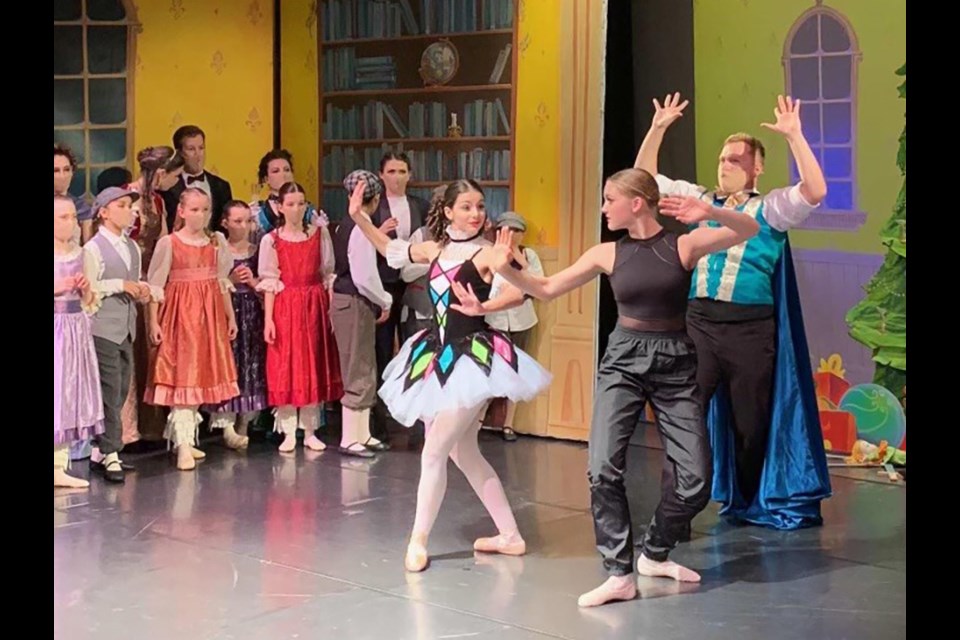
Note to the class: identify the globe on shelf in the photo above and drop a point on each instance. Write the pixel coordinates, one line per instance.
(439, 63)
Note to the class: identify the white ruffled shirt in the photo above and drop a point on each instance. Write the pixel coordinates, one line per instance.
(412, 272)
(783, 209)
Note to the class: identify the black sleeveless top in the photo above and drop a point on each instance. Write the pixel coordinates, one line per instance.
(648, 279)
(457, 325)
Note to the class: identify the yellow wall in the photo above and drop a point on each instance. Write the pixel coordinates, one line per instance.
(739, 47)
(536, 190)
(209, 63)
(299, 98)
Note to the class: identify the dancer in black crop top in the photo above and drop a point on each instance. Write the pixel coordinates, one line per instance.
(649, 359)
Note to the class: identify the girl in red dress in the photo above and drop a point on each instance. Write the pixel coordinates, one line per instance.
(303, 366)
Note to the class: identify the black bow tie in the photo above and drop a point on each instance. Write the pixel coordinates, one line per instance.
(199, 178)
(273, 198)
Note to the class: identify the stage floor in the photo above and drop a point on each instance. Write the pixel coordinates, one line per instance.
(265, 546)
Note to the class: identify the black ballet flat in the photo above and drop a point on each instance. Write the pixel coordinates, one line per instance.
(99, 467)
(378, 448)
(509, 434)
(356, 453)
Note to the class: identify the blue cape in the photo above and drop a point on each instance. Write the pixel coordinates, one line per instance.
(795, 476)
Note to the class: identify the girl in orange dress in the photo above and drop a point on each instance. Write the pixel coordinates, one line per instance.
(189, 275)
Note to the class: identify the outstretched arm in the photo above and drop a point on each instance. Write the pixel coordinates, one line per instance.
(737, 227)
(813, 186)
(597, 260)
(663, 117)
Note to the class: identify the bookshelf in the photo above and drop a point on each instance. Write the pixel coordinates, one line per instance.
(373, 100)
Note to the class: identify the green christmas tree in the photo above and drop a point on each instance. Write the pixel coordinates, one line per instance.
(880, 320)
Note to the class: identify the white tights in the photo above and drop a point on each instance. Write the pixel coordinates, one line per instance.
(453, 434)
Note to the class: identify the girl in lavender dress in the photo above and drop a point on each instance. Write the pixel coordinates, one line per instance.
(249, 349)
(77, 403)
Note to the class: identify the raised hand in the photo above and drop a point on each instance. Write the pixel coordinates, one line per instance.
(469, 304)
(670, 112)
(787, 114)
(686, 209)
(502, 250)
(356, 201)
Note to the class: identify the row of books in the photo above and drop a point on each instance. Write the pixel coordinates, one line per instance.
(430, 165)
(344, 71)
(350, 19)
(334, 204)
(376, 120)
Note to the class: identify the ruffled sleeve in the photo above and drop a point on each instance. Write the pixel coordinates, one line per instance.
(398, 254)
(328, 263)
(159, 269)
(224, 263)
(268, 267)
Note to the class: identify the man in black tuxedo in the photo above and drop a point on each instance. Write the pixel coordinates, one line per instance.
(407, 213)
(190, 142)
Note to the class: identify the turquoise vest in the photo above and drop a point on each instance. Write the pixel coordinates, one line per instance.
(742, 274)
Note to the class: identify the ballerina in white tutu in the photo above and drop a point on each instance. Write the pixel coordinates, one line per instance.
(445, 375)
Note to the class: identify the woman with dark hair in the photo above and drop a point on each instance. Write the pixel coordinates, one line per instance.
(113, 177)
(64, 168)
(160, 168)
(274, 171)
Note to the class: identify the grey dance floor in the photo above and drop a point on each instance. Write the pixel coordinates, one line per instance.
(265, 546)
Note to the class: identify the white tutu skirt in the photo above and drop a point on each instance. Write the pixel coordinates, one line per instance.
(443, 377)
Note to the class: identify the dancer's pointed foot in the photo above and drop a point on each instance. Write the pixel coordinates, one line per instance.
(508, 545)
(667, 569)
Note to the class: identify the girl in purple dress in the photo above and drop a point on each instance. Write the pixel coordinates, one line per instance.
(249, 351)
(77, 403)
